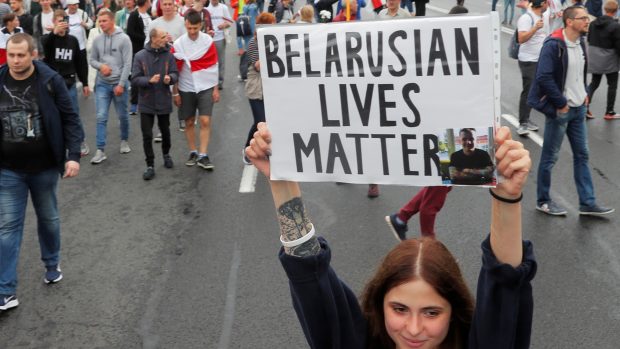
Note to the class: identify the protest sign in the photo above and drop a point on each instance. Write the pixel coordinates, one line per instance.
(381, 101)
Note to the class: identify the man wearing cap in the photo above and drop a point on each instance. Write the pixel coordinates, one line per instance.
(79, 23)
(532, 32)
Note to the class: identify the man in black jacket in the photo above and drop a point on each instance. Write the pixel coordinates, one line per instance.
(154, 71)
(137, 23)
(39, 139)
(62, 53)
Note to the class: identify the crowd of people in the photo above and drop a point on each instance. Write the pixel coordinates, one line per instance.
(148, 57)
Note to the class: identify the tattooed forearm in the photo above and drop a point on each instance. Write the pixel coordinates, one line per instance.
(294, 224)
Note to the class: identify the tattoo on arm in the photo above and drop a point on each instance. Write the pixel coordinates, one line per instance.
(294, 224)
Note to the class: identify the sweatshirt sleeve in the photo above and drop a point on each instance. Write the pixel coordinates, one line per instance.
(94, 53)
(504, 302)
(81, 66)
(327, 309)
(127, 55)
(545, 72)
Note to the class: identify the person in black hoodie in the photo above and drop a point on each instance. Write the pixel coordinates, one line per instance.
(139, 19)
(62, 53)
(604, 40)
(418, 297)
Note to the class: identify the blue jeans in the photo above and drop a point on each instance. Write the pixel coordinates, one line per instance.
(14, 187)
(104, 95)
(74, 98)
(573, 124)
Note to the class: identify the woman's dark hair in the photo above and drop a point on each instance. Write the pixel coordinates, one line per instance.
(418, 259)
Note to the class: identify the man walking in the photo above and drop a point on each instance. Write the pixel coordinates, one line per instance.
(41, 135)
(221, 20)
(111, 57)
(62, 53)
(137, 30)
(559, 92)
(196, 58)
(154, 70)
(604, 40)
(532, 34)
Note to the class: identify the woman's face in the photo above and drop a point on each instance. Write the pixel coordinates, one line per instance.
(416, 316)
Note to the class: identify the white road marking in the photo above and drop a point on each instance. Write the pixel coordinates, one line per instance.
(231, 294)
(532, 135)
(248, 179)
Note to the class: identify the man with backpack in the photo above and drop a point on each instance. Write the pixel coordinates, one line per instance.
(531, 34)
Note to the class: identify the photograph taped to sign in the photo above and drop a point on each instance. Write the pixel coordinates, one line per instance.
(369, 102)
(466, 156)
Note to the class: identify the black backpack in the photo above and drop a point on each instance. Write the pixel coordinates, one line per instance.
(513, 46)
(243, 26)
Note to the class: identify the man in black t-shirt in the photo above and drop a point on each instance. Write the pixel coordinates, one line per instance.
(470, 165)
(40, 136)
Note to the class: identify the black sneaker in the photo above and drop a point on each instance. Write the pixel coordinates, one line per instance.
(52, 275)
(193, 158)
(8, 301)
(148, 174)
(205, 163)
(595, 210)
(168, 161)
(398, 229)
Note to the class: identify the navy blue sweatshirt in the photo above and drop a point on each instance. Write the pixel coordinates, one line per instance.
(331, 317)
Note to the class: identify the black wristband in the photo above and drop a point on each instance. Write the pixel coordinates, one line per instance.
(502, 199)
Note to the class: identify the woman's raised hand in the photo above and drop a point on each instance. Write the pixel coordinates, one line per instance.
(513, 163)
(260, 149)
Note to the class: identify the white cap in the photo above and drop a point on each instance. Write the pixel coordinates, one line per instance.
(73, 2)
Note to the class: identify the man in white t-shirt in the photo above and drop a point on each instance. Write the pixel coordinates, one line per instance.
(220, 17)
(532, 33)
(170, 21)
(42, 23)
(79, 22)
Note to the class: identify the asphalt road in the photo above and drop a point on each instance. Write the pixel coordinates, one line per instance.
(186, 261)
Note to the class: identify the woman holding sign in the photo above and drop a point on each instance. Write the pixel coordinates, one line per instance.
(417, 298)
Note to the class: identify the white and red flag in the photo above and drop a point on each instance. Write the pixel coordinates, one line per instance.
(200, 56)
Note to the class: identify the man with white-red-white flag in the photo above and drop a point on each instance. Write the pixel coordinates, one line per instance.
(197, 61)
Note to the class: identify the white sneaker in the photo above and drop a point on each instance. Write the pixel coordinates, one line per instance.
(125, 147)
(84, 149)
(99, 157)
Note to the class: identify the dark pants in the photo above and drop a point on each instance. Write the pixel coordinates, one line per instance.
(612, 86)
(133, 96)
(428, 202)
(258, 112)
(420, 7)
(146, 124)
(528, 73)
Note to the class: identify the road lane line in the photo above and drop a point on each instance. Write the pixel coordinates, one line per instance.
(532, 135)
(231, 294)
(248, 179)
